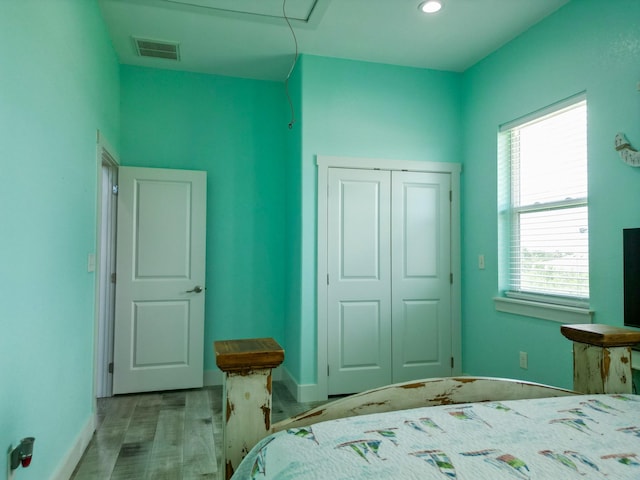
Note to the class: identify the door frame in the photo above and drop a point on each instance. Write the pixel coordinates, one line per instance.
(324, 163)
(103, 328)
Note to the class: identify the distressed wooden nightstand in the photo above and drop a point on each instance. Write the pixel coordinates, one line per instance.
(601, 357)
(246, 394)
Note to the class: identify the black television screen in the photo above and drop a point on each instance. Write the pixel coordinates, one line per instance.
(631, 275)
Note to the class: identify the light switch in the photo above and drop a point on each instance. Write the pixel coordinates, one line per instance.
(91, 262)
(481, 262)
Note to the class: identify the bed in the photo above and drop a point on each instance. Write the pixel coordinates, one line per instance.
(544, 438)
(457, 428)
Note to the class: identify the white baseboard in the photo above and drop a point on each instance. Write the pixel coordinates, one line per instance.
(214, 377)
(71, 459)
(302, 393)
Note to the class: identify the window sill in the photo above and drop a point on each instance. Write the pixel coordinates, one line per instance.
(546, 311)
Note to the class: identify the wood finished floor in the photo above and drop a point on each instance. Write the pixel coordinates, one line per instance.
(165, 435)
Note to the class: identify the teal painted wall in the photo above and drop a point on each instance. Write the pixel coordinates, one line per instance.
(582, 47)
(59, 84)
(362, 109)
(234, 130)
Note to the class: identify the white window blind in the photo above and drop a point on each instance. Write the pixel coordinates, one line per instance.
(544, 167)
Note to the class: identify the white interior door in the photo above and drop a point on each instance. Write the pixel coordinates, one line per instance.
(359, 290)
(421, 267)
(159, 326)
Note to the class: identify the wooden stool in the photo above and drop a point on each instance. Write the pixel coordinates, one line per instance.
(246, 394)
(601, 357)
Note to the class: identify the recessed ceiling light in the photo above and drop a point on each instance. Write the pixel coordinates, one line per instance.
(430, 6)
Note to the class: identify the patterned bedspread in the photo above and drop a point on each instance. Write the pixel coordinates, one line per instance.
(581, 437)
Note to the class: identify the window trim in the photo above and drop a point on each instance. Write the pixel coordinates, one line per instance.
(546, 311)
(575, 302)
(553, 108)
(539, 305)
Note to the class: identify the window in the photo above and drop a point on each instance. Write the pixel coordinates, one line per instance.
(543, 206)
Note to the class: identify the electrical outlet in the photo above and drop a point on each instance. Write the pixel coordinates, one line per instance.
(524, 360)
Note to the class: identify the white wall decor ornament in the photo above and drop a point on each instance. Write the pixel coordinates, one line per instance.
(629, 155)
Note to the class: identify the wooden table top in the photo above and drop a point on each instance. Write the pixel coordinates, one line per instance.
(601, 335)
(247, 354)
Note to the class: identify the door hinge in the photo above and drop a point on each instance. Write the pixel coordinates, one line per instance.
(114, 189)
(450, 196)
(451, 278)
(452, 362)
(327, 279)
(111, 367)
(113, 278)
(327, 370)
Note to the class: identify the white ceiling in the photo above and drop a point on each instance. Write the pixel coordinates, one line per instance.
(219, 37)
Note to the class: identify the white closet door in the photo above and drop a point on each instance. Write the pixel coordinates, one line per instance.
(421, 289)
(359, 289)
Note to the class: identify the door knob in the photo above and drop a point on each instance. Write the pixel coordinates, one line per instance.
(196, 289)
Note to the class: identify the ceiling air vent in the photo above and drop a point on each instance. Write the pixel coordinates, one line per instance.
(157, 49)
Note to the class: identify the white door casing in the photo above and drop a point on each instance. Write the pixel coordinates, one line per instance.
(159, 326)
(106, 289)
(107, 170)
(412, 362)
